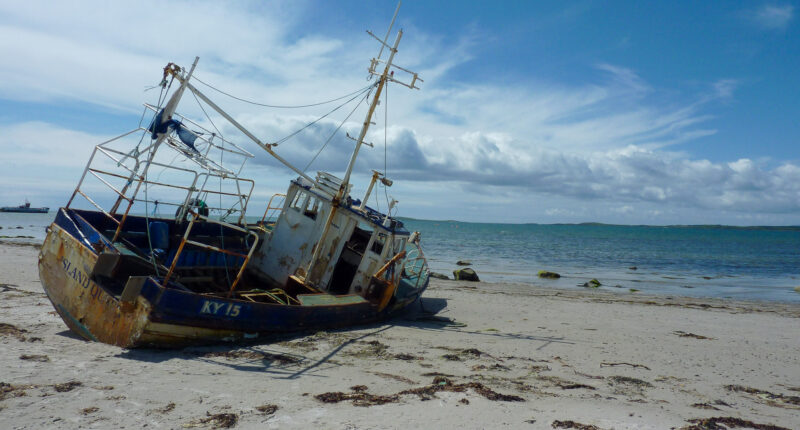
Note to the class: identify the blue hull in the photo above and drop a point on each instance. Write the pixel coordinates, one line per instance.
(148, 313)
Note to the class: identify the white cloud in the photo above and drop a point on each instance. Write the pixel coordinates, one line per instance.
(774, 17)
(630, 183)
(603, 143)
(724, 88)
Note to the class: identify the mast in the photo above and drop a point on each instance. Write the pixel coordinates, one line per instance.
(168, 110)
(384, 77)
(368, 119)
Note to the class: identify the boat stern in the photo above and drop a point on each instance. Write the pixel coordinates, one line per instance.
(89, 310)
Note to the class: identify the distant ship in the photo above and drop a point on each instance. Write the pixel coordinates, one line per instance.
(26, 208)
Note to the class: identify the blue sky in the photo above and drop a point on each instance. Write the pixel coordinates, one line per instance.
(620, 112)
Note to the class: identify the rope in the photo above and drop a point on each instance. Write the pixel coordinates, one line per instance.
(277, 106)
(334, 133)
(366, 89)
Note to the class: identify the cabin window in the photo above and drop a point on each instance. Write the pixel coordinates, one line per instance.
(312, 207)
(377, 245)
(298, 201)
(399, 244)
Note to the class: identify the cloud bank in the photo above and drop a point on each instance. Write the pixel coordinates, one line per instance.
(539, 150)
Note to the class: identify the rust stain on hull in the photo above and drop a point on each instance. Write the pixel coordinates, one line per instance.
(94, 314)
(85, 307)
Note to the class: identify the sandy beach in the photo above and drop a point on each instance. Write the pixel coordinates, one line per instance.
(473, 355)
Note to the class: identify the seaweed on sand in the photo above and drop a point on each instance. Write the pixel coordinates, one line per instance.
(217, 421)
(627, 380)
(67, 386)
(12, 330)
(8, 390)
(774, 399)
(35, 357)
(441, 383)
(692, 335)
(569, 424)
(267, 409)
(725, 423)
(361, 397)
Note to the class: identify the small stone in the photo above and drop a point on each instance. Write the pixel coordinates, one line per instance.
(633, 268)
(463, 263)
(439, 275)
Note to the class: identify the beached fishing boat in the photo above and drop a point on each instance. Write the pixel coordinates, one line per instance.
(121, 272)
(25, 208)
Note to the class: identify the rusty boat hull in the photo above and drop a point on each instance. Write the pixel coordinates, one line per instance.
(153, 315)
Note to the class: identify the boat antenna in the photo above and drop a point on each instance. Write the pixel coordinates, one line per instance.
(389, 30)
(387, 75)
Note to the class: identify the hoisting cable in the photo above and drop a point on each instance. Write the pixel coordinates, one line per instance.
(334, 133)
(366, 89)
(278, 106)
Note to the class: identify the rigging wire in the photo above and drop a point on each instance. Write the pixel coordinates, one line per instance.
(366, 89)
(278, 106)
(334, 133)
(219, 133)
(385, 144)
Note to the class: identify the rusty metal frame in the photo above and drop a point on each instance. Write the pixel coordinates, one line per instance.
(119, 157)
(185, 240)
(275, 209)
(410, 264)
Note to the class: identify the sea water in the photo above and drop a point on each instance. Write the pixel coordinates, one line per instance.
(761, 263)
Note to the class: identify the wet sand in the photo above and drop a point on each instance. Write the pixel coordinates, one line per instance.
(474, 355)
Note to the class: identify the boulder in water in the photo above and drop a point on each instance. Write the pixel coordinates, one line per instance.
(548, 275)
(466, 275)
(594, 283)
(797, 289)
(463, 263)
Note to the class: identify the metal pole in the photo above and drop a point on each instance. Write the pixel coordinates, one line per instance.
(343, 188)
(368, 120)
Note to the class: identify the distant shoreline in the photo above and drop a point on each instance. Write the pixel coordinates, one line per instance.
(592, 223)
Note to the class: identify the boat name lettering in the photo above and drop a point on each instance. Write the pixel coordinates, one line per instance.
(82, 279)
(79, 277)
(220, 308)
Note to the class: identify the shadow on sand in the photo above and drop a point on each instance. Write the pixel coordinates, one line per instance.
(259, 355)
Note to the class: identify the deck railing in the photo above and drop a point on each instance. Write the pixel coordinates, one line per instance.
(186, 241)
(415, 265)
(274, 208)
(129, 173)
